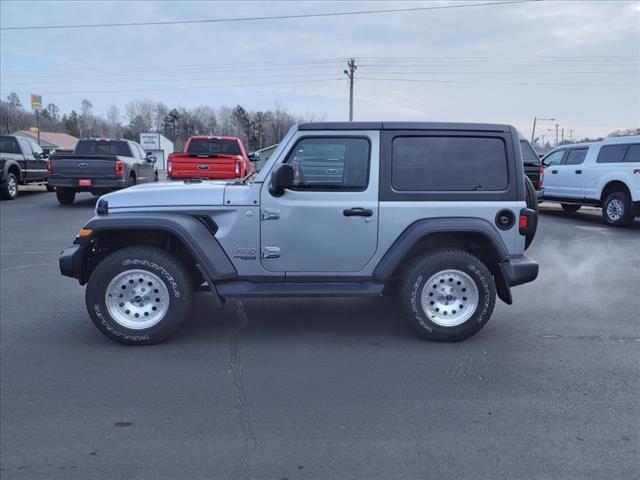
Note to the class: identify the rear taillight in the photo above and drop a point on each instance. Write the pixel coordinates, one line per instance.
(169, 166)
(49, 166)
(119, 166)
(237, 171)
(541, 179)
(524, 222)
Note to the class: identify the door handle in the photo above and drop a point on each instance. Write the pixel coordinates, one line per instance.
(578, 172)
(357, 212)
(554, 171)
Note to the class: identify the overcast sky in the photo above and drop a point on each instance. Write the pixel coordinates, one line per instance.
(576, 61)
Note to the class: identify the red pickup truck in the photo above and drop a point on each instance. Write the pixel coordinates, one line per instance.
(210, 157)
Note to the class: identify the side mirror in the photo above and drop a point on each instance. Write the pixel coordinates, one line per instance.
(281, 178)
(254, 156)
(152, 159)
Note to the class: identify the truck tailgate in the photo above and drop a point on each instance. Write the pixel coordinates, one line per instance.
(190, 166)
(83, 166)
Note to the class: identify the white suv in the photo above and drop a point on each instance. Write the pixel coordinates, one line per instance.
(604, 174)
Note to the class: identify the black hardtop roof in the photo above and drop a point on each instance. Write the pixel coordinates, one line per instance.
(478, 127)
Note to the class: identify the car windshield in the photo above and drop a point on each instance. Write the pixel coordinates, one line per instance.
(103, 147)
(211, 146)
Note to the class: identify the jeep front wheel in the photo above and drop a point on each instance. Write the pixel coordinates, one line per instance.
(448, 295)
(139, 295)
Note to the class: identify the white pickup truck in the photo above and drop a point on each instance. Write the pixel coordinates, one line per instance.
(604, 174)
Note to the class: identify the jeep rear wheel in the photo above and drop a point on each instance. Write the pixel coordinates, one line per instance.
(139, 295)
(448, 295)
(616, 209)
(65, 196)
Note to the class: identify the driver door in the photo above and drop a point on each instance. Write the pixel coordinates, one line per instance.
(328, 221)
(550, 163)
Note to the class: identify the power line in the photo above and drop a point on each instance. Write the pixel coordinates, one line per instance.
(270, 17)
(194, 87)
(419, 80)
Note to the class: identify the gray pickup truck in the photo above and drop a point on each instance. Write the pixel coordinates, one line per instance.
(22, 162)
(100, 166)
(437, 214)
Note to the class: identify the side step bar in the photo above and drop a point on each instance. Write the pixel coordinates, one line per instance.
(245, 289)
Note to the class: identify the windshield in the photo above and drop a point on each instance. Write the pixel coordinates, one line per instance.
(103, 147)
(206, 146)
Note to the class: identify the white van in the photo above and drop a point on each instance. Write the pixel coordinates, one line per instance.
(604, 174)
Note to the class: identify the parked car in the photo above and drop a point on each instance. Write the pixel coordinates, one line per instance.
(604, 174)
(100, 165)
(211, 157)
(435, 212)
(22, 162)
(532, 165)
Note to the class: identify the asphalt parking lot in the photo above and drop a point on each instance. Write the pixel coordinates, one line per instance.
(324, 388)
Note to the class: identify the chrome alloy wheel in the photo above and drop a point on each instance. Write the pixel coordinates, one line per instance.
(449, 298)
(615, 209)
(137, 299)
(12, 186)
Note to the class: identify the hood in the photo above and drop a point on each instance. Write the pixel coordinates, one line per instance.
(167, 194)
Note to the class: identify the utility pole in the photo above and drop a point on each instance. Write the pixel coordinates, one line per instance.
(556, 134)
(563, 134)
(571, 135)
(535, 121)
(38, 126)
(350, 73)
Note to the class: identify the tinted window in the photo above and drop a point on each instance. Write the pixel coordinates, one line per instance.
(633, 153)
(103, 147)
(25, 146)
(448, 164)
(576, 156)
(529, 155)
(35, 147)
(8, 144)
(330, 163)
(553, 158)
(612, 153)
(206, 146)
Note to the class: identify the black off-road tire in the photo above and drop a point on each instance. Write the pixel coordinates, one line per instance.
(156, 178)
(163, 265)
(413, 283)
(10, 187)
(65, 196)
(621, 199)
(570, 208)
(531, 199)
(132, 180)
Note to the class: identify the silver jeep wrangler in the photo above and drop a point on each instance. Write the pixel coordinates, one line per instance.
(437, 214)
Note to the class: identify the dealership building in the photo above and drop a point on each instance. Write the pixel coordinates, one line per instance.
(159, 146)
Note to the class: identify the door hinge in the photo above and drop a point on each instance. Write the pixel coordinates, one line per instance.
(270, 214)
(270, 252)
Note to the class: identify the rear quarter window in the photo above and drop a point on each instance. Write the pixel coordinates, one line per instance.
(633, 153)
(443, 163)
(9, 145)
(612, 153)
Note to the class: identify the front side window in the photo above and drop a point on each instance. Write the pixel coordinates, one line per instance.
(576, 156)
(452, 163)
(24, 145)
(612, 153)
(553, 158)
(330, 163)
(633, 153)
(37, 149)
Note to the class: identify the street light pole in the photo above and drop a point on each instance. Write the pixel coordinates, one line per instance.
(535, 121)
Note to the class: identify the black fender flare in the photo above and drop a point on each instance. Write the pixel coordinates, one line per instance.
(197, 237)
(8, 164)
(420, 229)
